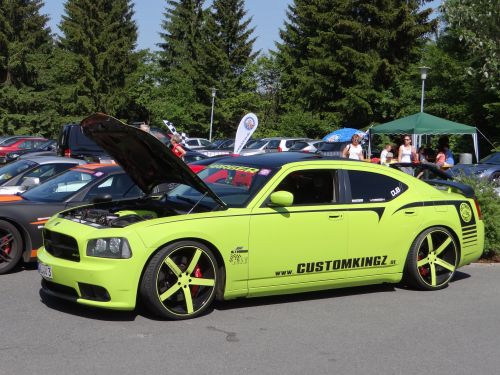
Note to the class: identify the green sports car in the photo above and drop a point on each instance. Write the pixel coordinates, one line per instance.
(252, 226)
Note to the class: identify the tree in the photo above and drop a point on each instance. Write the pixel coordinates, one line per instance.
(180, 58)
(229, 62)
(99, 38)
(338, 56)
(25, 44)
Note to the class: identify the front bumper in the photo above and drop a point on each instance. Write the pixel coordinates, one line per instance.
(71, 280)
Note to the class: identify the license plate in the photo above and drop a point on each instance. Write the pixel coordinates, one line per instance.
(45, 271)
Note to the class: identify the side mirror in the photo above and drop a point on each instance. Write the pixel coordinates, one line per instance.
(282, 198)
(30, 182)
(102, 198)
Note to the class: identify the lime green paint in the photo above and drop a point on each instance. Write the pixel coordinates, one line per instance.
(282, 198)
(289, 249)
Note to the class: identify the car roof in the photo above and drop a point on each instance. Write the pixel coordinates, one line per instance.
(54, 159)
(277, 159)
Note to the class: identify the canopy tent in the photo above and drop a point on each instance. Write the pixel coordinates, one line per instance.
(424, 124)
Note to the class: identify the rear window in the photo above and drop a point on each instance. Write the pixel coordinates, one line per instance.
(273, 145)
(80, 140)
(299, 146)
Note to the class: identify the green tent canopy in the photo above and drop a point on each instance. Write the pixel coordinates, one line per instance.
(424, 124)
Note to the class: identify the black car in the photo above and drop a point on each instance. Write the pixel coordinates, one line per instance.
(74, 144)
(22, 216)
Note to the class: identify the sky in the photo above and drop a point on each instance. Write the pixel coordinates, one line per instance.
(268, 17)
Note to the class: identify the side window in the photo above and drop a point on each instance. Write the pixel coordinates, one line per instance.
(311, 186)
(26, 145)
(369, 187)
(204, 142)
(192, 142)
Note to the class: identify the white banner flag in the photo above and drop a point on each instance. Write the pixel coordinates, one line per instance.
(247, 126)
(170, 127)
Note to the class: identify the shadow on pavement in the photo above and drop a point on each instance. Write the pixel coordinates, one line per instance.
(299, 297)
(88, 312)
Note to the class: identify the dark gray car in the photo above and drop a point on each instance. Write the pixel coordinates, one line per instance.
(20, 175)
(488, 168)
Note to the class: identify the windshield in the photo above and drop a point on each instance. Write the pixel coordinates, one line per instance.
(256, 145)
(13, 169)
(492, 159)
(234, 184)
(61, 187)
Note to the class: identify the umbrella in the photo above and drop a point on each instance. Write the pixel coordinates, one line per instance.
(343, 135)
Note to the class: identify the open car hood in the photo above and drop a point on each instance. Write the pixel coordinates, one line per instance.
(146, 159)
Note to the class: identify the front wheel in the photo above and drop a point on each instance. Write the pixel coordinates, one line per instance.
(11, 246)
(180, 281)
(432, 260)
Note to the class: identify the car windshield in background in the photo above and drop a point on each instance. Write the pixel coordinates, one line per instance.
(61, 187)
(234, 184)
(13, 169)
(491, 159)
(256, 145)
(80, 139)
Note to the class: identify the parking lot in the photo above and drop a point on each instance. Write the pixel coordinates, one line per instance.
(369, 330)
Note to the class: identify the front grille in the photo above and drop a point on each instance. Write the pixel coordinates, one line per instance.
(61, 245)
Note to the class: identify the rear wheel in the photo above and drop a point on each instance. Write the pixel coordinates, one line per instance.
(180, 281)
(432, 260)
(10, 246)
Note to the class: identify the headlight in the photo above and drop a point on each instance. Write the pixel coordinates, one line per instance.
(117, 248)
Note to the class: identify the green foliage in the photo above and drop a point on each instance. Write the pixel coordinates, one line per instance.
(25, 44)
(338, 58)
(98, 39)
(489, 201)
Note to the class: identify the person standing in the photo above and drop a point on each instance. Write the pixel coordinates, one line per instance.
(406, 152)
(177, 149)
(383, 155)
(354, 150)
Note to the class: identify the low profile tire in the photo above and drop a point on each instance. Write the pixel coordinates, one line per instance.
(180, 281)
(432, 260)
(11, 245)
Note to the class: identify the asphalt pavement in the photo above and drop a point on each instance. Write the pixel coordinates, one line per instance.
(368, 330)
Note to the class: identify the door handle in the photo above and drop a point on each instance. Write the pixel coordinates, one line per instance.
(336, 217)
(410, 213)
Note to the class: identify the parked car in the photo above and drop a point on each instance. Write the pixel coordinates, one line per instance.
(332, 149)
(282, 144)
(72, 143)
(488, 168)
(48, 148)
(252, 226)
(197, 143)
(22, 217)
(19, 143)
(24, 174)
(306, 146)
(8, 138)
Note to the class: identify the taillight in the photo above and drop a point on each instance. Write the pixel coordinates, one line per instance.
(280, 149)
(67, 153)
(478, 209)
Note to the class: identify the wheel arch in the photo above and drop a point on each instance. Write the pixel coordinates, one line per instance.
(26, 245)
(449, 229)
(218, 256)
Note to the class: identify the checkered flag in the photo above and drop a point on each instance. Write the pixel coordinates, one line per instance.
(170, 127)
(173, 130)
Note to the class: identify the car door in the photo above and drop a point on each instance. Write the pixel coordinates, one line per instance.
(290, 246)
(380, 232)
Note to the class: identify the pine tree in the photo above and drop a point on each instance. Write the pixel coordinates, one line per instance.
(337, 56)
(99, 37)
(229, 60)
(25, 44)
(180, 57)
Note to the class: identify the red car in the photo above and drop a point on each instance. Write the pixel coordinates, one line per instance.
(21, 143)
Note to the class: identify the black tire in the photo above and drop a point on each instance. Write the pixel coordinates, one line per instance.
(11, 246)
(180, 281)
(432, 259)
